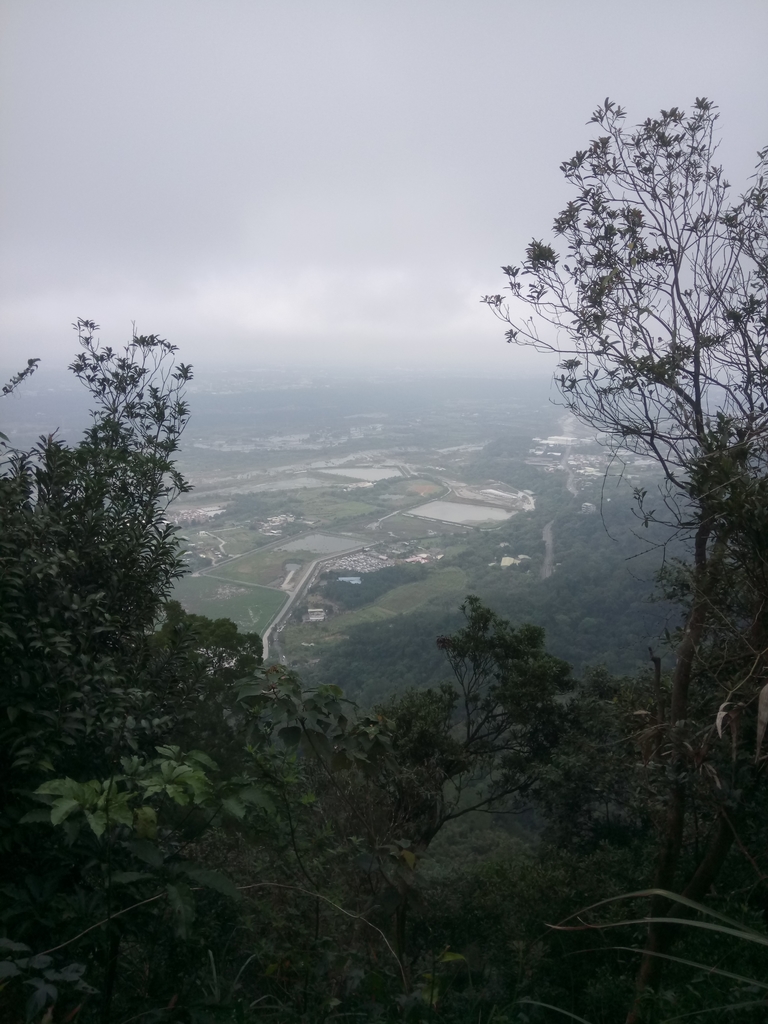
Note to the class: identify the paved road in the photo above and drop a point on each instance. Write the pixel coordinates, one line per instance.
(571, 478)
(244, 554)
(547, 535)
(302, 585)
(549, 553)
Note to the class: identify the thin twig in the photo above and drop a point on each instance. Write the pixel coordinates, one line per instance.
(255, 885)
(347, 913)
(98, 924)
(741, 846)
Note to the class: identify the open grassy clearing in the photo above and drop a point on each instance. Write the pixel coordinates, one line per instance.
(251, 607)
(235, 539)
(412, 528)
(415, 487)
(329, 507)
(448, 583)
(262, 567)
(205, 545)
(322, 544)
(238, 539)
(266, 567)
(329, 632)
(441, 586)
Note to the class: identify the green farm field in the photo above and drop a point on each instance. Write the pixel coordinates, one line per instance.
(238, 539)
(417, 488)
(412, 528)
(262, 567)
(251, 607)
(330, 507)
(442, 586)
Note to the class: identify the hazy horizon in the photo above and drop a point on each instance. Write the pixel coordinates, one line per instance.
(267, 182)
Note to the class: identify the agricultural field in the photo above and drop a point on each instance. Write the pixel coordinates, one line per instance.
(416, 488)
(251, 607)
(229, 540)
(263, 568)
(268, 566)
(331, 630)
(321, 544)
(442, 586)
(328, 507)
(406, 527)
(238, 539)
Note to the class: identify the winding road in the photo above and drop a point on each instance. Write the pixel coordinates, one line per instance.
(546, 534)
(549, 551)
(301, 587)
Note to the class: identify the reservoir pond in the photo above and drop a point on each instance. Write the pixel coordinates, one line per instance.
(454, 512)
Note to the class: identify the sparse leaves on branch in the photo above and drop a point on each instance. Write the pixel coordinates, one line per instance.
(654, 295)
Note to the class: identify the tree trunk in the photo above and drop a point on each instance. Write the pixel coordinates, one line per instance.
(658, 939)
(661, 937)
(110, 974)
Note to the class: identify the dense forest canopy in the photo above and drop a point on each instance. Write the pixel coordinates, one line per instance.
(189, 835)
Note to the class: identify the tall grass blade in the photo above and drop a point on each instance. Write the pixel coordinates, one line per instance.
(548, 1006)
(673, 897)
(712, 1009)
(692, 963)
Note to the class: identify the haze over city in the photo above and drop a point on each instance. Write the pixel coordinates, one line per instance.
(321, 184)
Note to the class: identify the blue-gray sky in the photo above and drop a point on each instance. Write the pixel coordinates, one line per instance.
(321, 181)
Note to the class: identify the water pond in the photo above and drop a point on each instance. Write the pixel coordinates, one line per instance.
(454, 512)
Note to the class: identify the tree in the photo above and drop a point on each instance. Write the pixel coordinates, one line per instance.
(87, 559)
(387, 783)
(657, 310)
(480, 742)
(224, 651)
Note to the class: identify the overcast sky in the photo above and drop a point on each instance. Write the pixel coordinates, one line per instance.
(321, 181)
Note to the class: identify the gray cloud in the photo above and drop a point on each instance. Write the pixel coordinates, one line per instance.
(320, 180)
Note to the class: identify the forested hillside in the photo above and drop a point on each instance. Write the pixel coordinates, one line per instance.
(597, 609)
(502, 833)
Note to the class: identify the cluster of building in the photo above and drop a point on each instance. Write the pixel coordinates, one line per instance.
(588, 465)
(365, 428)
(514, 500)
(549, 452)
(195, 516)
(362, 561)
(519, 500)
(273, 527)
(351, 568)
(508, 560)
